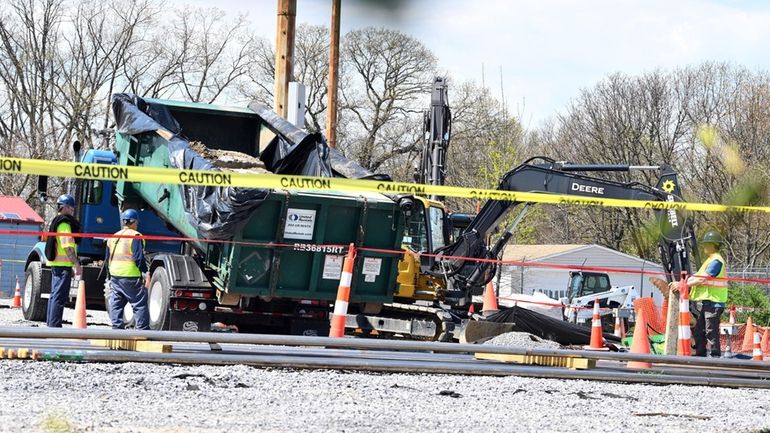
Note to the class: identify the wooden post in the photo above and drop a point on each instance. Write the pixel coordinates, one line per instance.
(334, 62)
(672, 323)
(284, 53)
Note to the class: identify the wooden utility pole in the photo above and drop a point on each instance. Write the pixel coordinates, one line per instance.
(334, 62)
(284, 53)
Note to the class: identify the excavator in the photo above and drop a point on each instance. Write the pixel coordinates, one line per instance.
(449, 274)
(449, 258)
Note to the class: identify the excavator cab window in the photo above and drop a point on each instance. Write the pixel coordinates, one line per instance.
(436, 227)
(416, 235)
(425, 230)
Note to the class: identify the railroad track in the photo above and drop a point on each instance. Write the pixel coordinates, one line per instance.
(397, 356)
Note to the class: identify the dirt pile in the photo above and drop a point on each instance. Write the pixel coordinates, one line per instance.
(523, 340)
(228, 160)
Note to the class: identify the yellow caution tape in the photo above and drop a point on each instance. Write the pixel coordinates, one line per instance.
(276, 181)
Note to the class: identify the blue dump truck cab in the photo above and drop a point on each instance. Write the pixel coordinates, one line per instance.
(98, 212)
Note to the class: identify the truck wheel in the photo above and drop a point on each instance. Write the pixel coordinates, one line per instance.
(32, 304)
(159, 294)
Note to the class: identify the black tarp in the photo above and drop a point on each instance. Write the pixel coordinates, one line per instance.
(217, 212)
(546, 327)
(220, 212)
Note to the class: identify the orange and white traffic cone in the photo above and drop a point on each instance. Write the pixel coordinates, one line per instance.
(17, 295)
(684, 345)
(732, 315)
(619, 331)
(343, 295)
(765, 343)
(640, 343)
(757, 351)
(80, 306)
(748, 336)
(471, 310)
(597, 340)
(490, 301)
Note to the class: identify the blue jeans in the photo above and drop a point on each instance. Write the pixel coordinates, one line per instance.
(61, 280)
(129, 290)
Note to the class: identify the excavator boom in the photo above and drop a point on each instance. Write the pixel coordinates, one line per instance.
(468, 277)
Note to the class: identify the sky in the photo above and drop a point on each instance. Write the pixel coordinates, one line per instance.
(540, 53)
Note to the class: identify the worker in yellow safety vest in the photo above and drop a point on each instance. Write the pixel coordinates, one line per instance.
(708, 296)
(125, 261)
(61, 252)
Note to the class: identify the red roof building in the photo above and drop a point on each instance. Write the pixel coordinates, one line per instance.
(14, 209)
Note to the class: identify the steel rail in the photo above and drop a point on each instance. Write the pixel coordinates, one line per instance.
(400, 366)
(356, 343)
(82, 345)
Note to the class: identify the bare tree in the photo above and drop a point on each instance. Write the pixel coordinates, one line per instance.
(29, 36)
(107, 34)
(386, 75)
(311, 68)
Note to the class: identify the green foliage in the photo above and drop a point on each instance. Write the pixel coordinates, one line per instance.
(750, 295)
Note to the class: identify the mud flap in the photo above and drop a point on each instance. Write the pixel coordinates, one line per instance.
(190, 321)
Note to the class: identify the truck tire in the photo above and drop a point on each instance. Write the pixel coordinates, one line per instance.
(33, 305)
(158, 299)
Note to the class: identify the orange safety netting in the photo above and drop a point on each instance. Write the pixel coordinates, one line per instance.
(657, 325)
(737, 339)
(655, 322)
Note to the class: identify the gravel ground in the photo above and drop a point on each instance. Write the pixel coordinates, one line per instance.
(48, 397)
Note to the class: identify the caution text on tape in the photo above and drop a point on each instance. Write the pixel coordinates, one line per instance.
(274, 181)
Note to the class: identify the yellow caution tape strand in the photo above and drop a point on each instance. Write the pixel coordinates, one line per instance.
(276, 181)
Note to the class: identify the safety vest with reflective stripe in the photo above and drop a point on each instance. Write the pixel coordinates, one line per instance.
(711, 290)
(122, 262)
(63, 242)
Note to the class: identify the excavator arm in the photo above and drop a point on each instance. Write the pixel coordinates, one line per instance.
(468, 277)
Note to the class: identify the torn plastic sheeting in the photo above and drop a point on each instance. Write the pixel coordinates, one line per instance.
(216, 212)
(344, 167)
(292, 150)
(562, 332)
(134, 115)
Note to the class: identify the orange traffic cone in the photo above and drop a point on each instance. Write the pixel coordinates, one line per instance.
(80, 306)
(684, 345)
(757, 351)
(597, 341)
(748, 336)
(490, 300)
(765, 343)
(337, 329)
(619, 331)
(640, 343)
(732, 315)
(17, 295)
(471, 310)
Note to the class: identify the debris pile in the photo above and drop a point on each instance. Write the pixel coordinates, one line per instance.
(229, 160)
(522, 339)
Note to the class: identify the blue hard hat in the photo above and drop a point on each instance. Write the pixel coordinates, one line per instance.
(129, 215)
(65, 200)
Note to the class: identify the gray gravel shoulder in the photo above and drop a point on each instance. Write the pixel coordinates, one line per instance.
(132, 397)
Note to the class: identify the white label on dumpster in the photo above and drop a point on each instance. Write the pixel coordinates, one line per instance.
(371, 268)
(299, 224)
(332, 267)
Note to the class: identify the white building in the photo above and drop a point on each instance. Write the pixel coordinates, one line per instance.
(553, 281)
